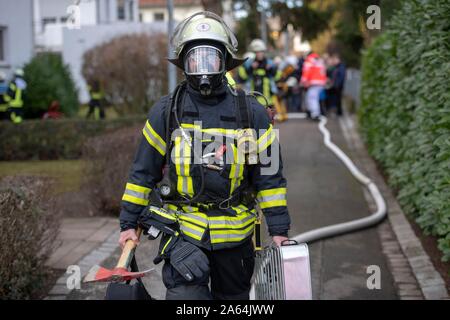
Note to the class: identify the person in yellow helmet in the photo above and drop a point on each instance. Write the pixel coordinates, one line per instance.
(195, 191)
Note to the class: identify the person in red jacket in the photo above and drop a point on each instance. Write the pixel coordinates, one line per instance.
(314, 79)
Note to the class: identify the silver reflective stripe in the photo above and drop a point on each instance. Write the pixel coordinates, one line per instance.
(230, 222)
(231, 236)
(194, 217)
(185, 228)
(153, 138)
(272, 197)
(136, 194)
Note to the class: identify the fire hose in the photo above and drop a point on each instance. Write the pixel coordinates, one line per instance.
(354, 225)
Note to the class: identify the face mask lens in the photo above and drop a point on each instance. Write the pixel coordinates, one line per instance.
(204, 60)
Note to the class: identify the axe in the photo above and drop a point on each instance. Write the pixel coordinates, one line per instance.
(120, 272)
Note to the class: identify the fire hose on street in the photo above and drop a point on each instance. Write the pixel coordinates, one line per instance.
(282, 273)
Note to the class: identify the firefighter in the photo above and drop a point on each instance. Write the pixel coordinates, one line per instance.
(96, 107)
(262, 73)
(14, 96)
(194, 182)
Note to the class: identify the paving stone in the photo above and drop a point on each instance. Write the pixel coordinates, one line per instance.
(435, 292)
(59, 289)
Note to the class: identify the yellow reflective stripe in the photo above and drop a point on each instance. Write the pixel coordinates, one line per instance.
(132, 199)
(211, 131)
(272, 198)
(138, 188)
(260, 72)
(230, 79)
(271, 192)
(185, 184)
(191, 230)
(233, 226)
(154, 139)
(273, 203)
(193, 220)
(236, 170)
(163, 214)
(231, 231)
(165, 246)
(242, 73)
(266, 139)
(136, 194)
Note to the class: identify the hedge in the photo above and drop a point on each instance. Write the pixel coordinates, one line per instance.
(54, 139)
(405, 112)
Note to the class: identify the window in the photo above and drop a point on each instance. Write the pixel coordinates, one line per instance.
(121, 9)
(46, 21)
(159, 16)
(2, 43)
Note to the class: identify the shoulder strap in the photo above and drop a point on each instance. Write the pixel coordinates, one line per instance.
(244, 114)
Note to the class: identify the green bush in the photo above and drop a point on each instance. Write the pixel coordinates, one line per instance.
(48, 79)
(28, 229)
(405, 111)
(54, 139)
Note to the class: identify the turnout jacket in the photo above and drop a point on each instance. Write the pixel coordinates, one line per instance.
(213, 120)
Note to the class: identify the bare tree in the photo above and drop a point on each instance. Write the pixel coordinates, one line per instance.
(131, 70)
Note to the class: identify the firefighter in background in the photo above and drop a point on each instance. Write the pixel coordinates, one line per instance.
(96, 106)
(14, 96)
(3, 103)
(314, 79)
(262, 73)
(288, 86)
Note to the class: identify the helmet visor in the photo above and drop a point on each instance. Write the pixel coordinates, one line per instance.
(204, 60)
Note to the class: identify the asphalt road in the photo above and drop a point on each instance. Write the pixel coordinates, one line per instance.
(321, 191)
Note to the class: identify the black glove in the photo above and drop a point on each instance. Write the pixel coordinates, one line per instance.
(189, 260)
(160, 219)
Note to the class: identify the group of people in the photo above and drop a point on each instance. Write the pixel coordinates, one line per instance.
(11, 97)
(309, 83)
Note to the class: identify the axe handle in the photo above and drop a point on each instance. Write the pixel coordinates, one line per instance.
(128, 251)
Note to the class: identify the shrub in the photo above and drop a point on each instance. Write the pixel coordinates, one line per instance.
(405, 112)
(49, 79)
(108, 160)
(28, 229)
(132, 70)
(59, 139)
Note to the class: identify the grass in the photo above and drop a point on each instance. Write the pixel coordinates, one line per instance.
(67, 173)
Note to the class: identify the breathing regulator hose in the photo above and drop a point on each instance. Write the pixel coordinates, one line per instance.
(354, 225)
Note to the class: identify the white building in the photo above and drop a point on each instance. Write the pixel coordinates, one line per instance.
(156, 10)
(16, 34)
(74, 26)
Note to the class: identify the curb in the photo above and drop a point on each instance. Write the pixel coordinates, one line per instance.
(414, 274)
